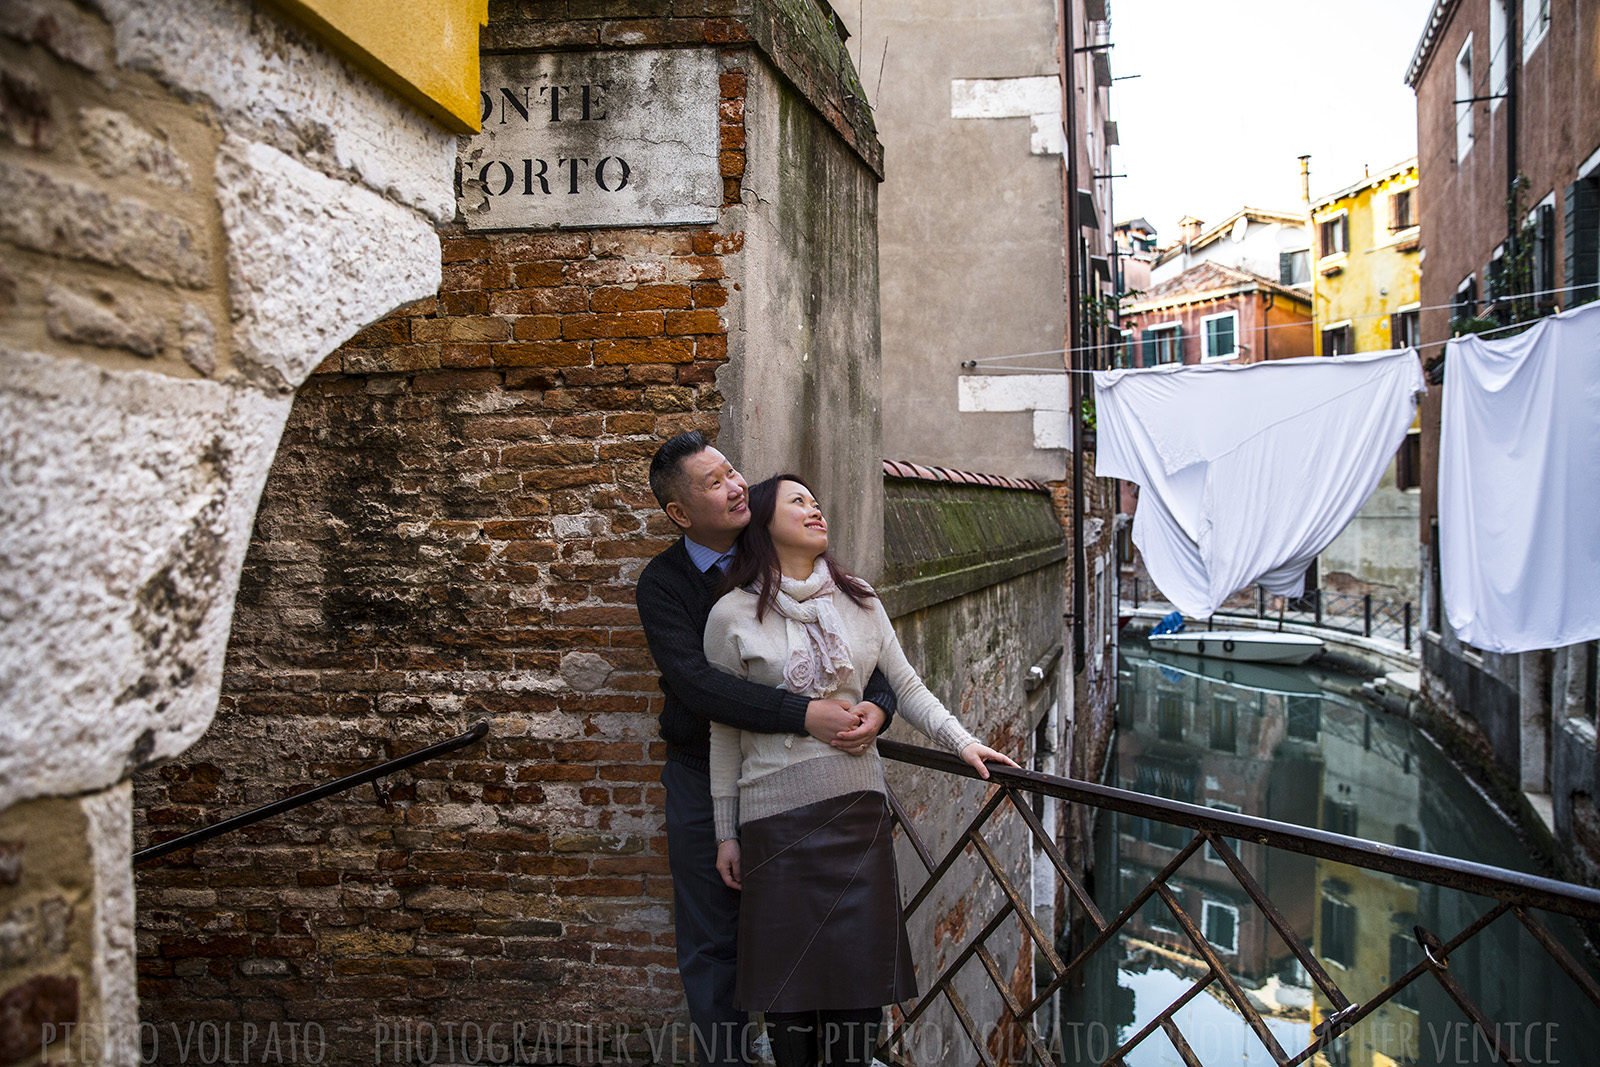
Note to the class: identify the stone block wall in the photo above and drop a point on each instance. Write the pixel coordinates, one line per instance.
(197, 210)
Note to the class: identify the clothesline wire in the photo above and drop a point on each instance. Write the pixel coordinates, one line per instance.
(982, 360)
(1418, 348)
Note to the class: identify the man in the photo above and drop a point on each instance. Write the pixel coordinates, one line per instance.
(704, 496)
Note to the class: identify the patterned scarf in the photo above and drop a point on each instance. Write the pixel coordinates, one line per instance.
(819, 659)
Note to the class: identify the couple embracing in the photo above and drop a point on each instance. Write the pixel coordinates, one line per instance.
(780, 669)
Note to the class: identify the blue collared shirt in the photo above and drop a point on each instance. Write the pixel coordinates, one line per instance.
(705, 558)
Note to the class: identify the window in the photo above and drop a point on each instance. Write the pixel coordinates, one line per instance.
(1158, 916)
(1499, 60)
(1401, 213)
(1336, 340)
(1304, 717)
(1408, 462)
(1294, 268)
(1338, 932)
(1220, 924)
(1404, 954)
(1542, 220)
(1333, 234)
(1582, 240)
(1465, 303)
(1211, 853)
(1224, 723)
(1535, 21)
(1338, 817)
(1169, 715)
(1405, 328)
(1222, 335)
(1464, 109)
(1162, 344)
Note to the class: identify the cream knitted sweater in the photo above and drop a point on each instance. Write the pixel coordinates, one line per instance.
(755, 775)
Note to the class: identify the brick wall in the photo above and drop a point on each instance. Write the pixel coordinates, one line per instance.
(452, 532)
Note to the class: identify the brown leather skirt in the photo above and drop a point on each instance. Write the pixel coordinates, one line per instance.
(819, 917)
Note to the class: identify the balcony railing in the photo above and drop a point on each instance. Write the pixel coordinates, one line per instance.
(1509, 892)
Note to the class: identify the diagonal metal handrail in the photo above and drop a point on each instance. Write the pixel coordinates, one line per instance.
(308, 796)
(1009, 788)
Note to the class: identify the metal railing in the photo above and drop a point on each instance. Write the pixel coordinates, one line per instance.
(1363, 614)
(327, 789)
(1512, 892)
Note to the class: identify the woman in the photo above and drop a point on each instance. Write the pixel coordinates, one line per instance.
(803, 828)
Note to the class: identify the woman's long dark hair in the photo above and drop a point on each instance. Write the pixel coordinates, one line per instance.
(755, 565)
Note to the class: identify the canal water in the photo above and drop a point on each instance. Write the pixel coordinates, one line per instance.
(1289, 743)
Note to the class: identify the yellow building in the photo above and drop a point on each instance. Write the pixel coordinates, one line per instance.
(1368, 273)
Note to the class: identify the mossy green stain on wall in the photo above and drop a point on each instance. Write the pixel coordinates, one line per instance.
(936, 527)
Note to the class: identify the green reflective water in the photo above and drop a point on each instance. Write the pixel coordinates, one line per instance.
(1285, 744)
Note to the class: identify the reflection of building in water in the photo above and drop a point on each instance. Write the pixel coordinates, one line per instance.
(1363, 919)
(1212, 740)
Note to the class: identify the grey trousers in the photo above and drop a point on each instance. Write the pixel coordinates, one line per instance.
(705, 917)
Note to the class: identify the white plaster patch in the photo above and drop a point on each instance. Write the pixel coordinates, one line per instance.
(1052, 429)
(311, 260)
(1037, 98)
(126, 502)
(1012, 392)
(273, 80)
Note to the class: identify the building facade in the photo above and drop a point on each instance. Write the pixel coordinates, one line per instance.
(1270, 243)
(1367, 299)
(1213, 313)
(1508, 131)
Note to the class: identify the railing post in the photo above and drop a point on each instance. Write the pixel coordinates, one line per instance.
(1316, 603)
(1366, 611)
(1136, 591)
(1408, 625)
(1261, 603)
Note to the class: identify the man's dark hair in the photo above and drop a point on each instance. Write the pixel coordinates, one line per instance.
(666, 466)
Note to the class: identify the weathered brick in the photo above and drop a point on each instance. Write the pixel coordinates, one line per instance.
(541, 354)
(640, 298)
(686, 322)
(540, 301)
(536, 327)
(538, 275)
(653, 350)
(620, 324)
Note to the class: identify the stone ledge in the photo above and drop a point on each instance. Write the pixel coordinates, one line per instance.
(904, 597)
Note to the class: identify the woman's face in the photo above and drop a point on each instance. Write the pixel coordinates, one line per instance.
(797, 523)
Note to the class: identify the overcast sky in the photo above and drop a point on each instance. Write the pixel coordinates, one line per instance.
(1229, 94)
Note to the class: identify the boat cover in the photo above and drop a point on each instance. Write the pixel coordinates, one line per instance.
(1248, 472)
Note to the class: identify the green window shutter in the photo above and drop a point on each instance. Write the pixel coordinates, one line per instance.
(1582, 246)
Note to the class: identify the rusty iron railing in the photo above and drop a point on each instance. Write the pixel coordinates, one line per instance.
(1512, 892)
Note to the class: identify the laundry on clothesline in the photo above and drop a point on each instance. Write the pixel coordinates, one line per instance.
(1246, 473)
(1519, 486)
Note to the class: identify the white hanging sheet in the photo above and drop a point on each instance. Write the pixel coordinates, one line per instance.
(1519, 485)
(1247, 472)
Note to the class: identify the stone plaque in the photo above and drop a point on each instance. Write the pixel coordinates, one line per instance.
(594, 139)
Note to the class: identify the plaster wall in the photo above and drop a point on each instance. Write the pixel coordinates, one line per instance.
(803, 394)
(972, 232)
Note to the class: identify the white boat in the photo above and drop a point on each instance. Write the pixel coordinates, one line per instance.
(1247, 646)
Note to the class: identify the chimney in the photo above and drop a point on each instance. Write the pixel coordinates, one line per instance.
(1189, 228)
(1305, 181)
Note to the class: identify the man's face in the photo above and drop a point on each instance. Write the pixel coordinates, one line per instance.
(711, 505)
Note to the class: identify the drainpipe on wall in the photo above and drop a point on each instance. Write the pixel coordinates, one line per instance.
(1074, 235)
(1513, 69)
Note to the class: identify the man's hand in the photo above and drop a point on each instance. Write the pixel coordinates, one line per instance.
(728, 864)
(857, 740)
(827, 719)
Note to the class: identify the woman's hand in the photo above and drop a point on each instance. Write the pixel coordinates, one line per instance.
(975, 754)
(728, 862)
